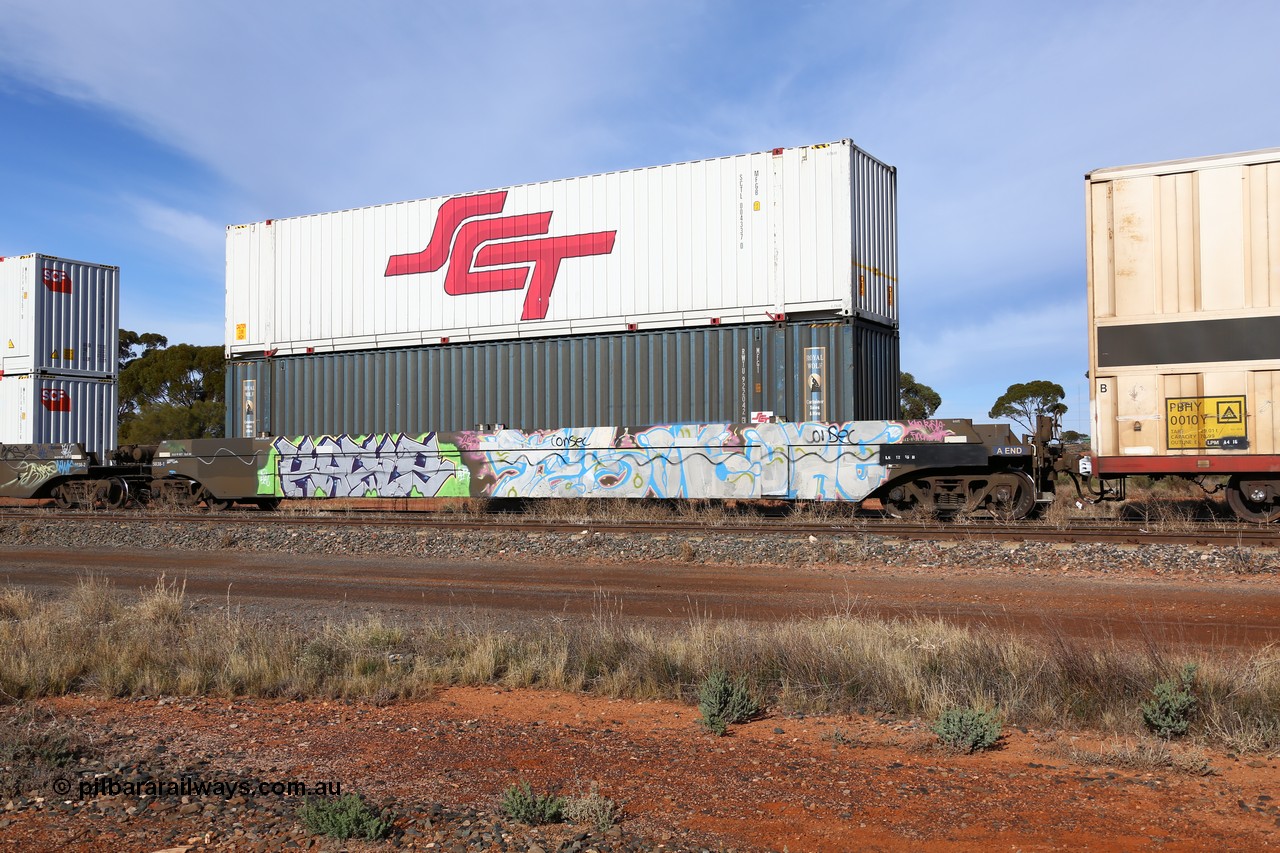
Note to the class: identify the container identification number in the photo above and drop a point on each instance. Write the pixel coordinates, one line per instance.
(1195, 423)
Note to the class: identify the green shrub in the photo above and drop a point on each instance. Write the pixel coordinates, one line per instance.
(723, 701)
(967, 729)
(1172, 705)
(522, 804)
(346, 817)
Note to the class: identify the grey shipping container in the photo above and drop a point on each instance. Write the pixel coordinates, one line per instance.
(817, 371)
(58, 316)
(48, 409)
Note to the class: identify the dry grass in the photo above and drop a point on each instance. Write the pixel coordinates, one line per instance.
(1142, 754)
(92, 640)
(35, 749)
(1167, 505)
(16, 603)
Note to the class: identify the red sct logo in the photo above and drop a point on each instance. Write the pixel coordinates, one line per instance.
(55, 400)
(480, 250)
(59, 281)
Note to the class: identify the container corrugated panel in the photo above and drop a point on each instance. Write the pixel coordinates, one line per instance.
(809, 231)
(836, 371)
(875, 239)
(58, 316)
(876, 372)
(48, 409)
(1184, 305)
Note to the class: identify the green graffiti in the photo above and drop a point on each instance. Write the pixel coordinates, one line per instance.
(269, 475)
(459, 484)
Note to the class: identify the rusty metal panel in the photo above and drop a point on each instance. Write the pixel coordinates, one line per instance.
(724, 373)
(58, 316)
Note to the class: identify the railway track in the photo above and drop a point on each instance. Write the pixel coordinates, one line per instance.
(1208, 533)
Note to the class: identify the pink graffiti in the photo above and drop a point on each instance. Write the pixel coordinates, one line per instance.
(925, 431)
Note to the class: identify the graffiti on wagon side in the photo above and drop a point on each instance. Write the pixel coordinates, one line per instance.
(804, 460)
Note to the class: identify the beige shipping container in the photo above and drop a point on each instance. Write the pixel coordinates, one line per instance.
(1184, 315)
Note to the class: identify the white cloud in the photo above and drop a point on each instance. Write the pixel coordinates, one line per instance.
(307, 106)
(186, 233)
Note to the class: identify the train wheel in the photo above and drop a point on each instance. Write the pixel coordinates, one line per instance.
(1251, 504)
(905, 510)
(214, 504)
(1013, 496)
(904, 501)
(183, 494)
(111, 494)
(63, 498)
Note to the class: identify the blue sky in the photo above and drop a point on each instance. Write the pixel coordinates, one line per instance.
(134, 132)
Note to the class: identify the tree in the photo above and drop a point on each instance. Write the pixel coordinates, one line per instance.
(1025, 401)
(171, 392)
(131, 341)
(1070, 436)
(917, 401)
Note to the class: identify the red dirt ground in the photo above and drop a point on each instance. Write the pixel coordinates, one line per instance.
(776, 783)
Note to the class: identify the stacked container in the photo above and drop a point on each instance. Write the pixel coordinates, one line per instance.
(59, 335)
(759, 285)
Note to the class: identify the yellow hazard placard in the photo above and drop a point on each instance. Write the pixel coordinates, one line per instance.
(242, 331)
(1196, 423)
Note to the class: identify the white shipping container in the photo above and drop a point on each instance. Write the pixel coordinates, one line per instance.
(58, 410)
(1184, 314)
(59, 316)
(745, 239)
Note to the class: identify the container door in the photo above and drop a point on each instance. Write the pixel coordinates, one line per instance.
(1263, 419)
(1106, 437)
(19, 350)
